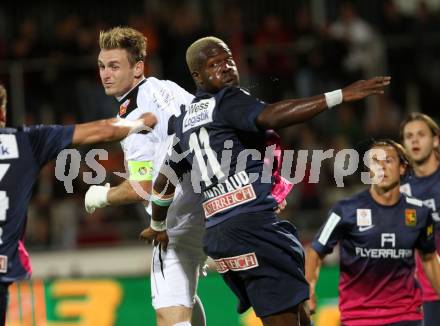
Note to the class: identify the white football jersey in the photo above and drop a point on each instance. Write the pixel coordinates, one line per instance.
(163, 98)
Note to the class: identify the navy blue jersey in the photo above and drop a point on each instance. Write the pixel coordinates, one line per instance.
(226, 150)
(426, 189)
(23, 152)
(377, 259)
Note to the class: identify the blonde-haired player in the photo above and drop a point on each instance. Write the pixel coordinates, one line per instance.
(174, 272)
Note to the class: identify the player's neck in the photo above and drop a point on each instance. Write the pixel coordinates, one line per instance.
(133, 86)
(428, 167)
(386, 197)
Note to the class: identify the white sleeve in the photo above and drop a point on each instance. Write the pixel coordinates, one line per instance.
(181, 96)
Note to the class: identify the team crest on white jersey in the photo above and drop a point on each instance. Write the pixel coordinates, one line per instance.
(198, 114)
(363, 217)
(8, 147)
(123, 107)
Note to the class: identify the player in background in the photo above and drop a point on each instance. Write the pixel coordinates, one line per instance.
(258, 255)
(175, 272)
(24, 151)
(421, 136)
(378, 231)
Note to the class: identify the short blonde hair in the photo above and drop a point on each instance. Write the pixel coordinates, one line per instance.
(129, 39)
(193, 52)
(3, 96)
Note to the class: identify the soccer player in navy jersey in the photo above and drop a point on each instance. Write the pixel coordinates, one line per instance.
(378, 231)
(23, 152)
(258, 255)
(421, 137)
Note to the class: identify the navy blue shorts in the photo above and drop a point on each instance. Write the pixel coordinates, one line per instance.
(431, 313)
(261, 260)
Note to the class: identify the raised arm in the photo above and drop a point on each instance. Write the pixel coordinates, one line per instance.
(110, 129)
(289, 112)
(313, 266)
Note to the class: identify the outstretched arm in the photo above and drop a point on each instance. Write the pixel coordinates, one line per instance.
(110, 129)
(289, 112)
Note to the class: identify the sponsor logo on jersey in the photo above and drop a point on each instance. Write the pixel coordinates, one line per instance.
(198, 114)
(237, 263)
(410, 217)
(234, 191)
(429, 230)
(123, 107)
(365, 228)
(383, 253)
(163, 98)
(8, 147)
(3, 264)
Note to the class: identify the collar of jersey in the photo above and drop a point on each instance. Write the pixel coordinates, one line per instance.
(123, 97)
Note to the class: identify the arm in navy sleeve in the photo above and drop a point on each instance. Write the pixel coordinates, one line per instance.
(48, 141)
(331, 232)
(430, 258)
(239, 110)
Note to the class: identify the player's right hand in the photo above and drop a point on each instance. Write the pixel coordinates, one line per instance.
(155, 237)
(96, 197)
(312, 302)
(363, 88)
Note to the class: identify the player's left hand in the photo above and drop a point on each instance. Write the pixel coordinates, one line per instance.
(363, 88)
(155, 237)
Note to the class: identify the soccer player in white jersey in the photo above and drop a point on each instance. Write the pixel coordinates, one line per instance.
(174, 272)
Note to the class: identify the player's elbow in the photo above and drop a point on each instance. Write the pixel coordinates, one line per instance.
(265, 121)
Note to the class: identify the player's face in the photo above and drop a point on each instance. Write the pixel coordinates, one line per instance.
(217, 70)
(118, 76)
(385, 167)
(419, 141)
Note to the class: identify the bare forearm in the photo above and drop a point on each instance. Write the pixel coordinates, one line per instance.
(289, 112)
(164, 189)
(129, 193)
(431, 266)
(313, 266)
(112, 129)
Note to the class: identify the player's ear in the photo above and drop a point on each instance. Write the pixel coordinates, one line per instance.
(403, 169)
(139, 69)
(197, 77)
(436, 142)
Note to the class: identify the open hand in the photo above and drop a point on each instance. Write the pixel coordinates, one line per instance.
(363, 88)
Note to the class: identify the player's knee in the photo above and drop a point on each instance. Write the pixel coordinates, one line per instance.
(183, 323)
(172, 316)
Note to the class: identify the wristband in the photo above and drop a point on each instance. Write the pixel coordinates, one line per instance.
(333, 98)
(158, 226)
(163, 201)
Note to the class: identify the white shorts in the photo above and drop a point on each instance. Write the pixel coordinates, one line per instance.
(174, 276)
